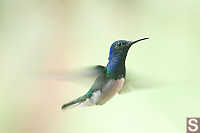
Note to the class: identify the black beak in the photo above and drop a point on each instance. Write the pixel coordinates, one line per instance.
(130, 43)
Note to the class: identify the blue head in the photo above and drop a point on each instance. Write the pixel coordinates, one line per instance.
(120, 48)
(117, 57)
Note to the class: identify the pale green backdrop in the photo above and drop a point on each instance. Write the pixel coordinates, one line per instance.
(54, 36)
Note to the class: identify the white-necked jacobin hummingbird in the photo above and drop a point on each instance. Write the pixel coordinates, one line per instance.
(110, 79)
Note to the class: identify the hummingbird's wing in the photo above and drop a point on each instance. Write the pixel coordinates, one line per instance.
(138, 81)
(76, 75)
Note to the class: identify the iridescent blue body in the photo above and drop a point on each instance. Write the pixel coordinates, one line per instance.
(116, 64)
(110, 79)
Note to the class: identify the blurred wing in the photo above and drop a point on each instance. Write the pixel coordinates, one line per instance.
(75, 75)
(140, 82)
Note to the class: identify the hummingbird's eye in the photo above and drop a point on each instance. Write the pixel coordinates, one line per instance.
(117, 45)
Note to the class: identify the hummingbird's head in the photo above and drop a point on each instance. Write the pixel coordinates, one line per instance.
(121, 47)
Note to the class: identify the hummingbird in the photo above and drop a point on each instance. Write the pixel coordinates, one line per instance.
(111, 78)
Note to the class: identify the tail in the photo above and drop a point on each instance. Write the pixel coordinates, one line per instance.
(74, 102)
(80, 100)
(64, 106)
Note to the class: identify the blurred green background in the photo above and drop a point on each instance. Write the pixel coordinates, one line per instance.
(39, 36)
